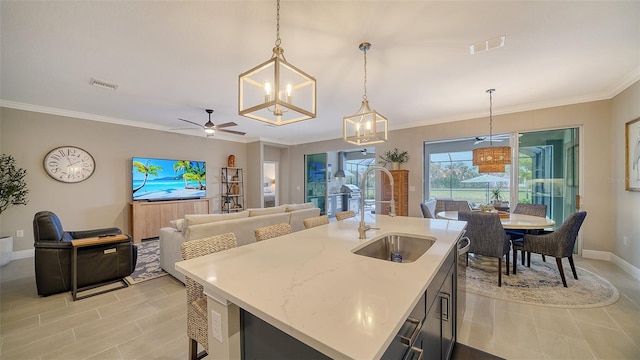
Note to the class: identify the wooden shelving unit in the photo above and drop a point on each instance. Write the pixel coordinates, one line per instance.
(232, 190)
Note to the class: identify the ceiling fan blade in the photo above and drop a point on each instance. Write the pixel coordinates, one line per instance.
(190, 122)
(189, 128)
(232, 131)
(226, 125)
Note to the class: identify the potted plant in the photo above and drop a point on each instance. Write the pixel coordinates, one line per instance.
(13, 191)
(395, 157)
(496, 195)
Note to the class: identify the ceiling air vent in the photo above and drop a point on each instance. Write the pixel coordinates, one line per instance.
(487, 45)
(103, 84)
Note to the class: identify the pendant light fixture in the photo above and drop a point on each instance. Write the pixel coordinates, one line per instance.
(491, 158)
(275, 91)
(366, 126)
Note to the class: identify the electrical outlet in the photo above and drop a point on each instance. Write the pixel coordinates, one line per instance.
(19, 233)
(412, 188)
(216, 322)
(625, 241)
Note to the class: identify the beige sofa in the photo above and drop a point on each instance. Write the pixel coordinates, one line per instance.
(242, 224)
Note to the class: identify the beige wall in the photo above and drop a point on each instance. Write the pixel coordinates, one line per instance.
(625, 205)
(102, 200)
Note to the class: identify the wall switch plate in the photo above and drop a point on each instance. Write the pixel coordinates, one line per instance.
(19, 233)
(216, 321)
(412, 188)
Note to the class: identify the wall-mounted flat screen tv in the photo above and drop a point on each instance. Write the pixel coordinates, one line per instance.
(166, 179)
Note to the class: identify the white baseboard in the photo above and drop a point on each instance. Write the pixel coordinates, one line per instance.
(630, 269)
(595, 254)
(23, 254)
(613, 258)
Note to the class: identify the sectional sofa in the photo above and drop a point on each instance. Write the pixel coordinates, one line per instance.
(242, 224)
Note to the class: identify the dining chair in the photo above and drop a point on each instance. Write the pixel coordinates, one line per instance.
(487, 236)
(539, 210)
(197, 323)
(559, 243)
(428, 209)
(269, 232)
(456, 205)
(315, 221)
(345, 215)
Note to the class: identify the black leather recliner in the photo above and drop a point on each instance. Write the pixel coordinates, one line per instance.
(96, 264)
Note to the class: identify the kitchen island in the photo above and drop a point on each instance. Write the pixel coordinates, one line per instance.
(311, 286)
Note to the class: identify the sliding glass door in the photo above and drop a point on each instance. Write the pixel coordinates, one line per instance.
(548, 168)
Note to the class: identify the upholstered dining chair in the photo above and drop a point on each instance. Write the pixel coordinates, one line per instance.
(558, 243)
(539, 210)
(197, 323)
(345, 215)
(428, 209)
(269, 232)
(456, 205)
(315, 221)
(531, 209)
(487, 236)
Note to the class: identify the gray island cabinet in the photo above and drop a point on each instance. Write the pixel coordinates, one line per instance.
(307, 295)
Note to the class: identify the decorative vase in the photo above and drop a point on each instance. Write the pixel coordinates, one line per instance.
(231, 161)
(395, 166)
(6, 250)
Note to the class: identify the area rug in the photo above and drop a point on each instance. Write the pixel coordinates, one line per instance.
(148, 265)
(540, 284)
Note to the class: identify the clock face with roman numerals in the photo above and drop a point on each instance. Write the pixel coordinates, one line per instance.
(69, 164)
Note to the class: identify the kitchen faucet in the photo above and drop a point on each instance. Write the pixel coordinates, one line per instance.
(363, 227)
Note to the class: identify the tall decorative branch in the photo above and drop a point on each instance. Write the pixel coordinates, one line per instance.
(13, 188)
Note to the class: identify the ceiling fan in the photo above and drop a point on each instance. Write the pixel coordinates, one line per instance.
(497, 138)
(210, 128)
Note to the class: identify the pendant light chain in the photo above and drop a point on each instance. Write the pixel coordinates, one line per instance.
(364, 97)
(490, 91)
(278, 41)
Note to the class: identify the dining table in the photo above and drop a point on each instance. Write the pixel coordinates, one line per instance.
(511, 222)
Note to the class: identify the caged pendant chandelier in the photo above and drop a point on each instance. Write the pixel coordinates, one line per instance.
(275, 91)
(366, 126)
(491, 158)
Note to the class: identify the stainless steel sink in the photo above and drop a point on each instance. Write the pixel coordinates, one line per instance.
(396, 247)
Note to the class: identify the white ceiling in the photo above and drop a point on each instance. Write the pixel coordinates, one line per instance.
(173, 59)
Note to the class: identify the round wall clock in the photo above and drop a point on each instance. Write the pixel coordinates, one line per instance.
(69, 164)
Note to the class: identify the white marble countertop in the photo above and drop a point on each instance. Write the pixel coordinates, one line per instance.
(310, 285)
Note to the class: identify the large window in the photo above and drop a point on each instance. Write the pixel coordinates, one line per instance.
(547, 165)
(452, 175)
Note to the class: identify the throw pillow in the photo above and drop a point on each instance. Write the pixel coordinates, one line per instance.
(294, 207)
(266, 211)
(177, 224)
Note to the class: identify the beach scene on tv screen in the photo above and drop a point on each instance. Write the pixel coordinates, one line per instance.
(163, 179)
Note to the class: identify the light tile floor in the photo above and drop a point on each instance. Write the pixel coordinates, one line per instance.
(147, 321)
(518, 331)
